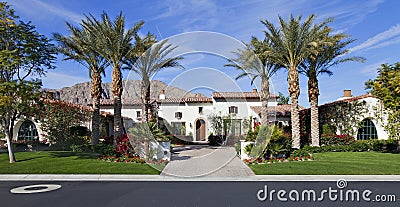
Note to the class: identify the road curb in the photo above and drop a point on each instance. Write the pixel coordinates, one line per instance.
(267, 178)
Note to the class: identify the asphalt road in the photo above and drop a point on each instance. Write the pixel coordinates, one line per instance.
(176, 193)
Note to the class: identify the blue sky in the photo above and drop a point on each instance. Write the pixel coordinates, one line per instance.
(373, 23)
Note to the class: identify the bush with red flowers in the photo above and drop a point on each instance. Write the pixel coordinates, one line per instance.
(123, 152)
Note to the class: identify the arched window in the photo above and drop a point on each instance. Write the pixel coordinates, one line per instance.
(27, 131)
(367, 130)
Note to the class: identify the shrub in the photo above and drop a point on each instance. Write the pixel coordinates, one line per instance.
(248, 148)
(215, 140)
(300, 153)
(80, 148)
(123, 152)
(107, 140)
(124, 147)
(333, 139)
(62, 122)
(147, 132)
(178, 141)
(104, 149)
(392, 145)
(328, 129)
(252, 135)
(358, 146)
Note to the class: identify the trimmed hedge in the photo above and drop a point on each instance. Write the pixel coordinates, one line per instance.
(358, 146)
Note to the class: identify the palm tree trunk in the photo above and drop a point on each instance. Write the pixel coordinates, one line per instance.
(314, 123)
(145, 95)
(118, 129)
(96, 121)
(117, 92)
(264, 100)
(294, 91)
(313, 93)
(96, 95)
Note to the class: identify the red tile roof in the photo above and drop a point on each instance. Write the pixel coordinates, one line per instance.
(280, 110)
(86, 108)
(201, 99)
(239, 95)
(355, 98)
(110, 102)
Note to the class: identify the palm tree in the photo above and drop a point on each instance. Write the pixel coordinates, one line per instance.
(291, 44)
(81, 47)
(115, 46)
(315, 65)
(253, 61)
(154, 58)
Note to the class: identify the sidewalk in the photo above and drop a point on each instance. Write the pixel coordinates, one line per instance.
(158, 178)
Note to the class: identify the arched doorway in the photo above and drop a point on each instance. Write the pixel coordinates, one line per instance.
(200, 130)
(367, 130)
(27, 131)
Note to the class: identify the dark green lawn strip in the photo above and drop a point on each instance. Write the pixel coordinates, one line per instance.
(336, 163)
(67, 163)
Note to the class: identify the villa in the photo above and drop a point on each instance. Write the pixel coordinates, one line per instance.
(188, 114)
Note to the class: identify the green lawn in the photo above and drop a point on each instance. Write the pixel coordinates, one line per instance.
(56, 162)
(336, 163)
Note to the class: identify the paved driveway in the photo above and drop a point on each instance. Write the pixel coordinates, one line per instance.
(195, 161)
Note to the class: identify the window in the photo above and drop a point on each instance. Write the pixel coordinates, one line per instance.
(178, 128)
(27, 131)
(367, 130)
(200, 110)
(138, 114)
(178, 115)
(233, 109)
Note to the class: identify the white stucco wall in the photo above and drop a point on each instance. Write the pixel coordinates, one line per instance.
(18, 124)
(244, 110)
(190, 114)
(373, 112)
(126, 111)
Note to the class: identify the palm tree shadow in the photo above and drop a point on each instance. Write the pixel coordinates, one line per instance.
(27, 159)
(79, 155)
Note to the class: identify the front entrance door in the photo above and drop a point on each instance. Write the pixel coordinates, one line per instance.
(200, 130)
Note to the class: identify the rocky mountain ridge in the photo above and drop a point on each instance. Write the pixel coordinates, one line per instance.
(80, 93)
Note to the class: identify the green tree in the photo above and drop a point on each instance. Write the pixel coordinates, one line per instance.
(254, 62)
(386, 87)
(153, 56)
(291, 43)
(116, 47)
(216, 123)
(81, 46)
(328, 55)
(59, 118)
(283, 99)
(23, 53)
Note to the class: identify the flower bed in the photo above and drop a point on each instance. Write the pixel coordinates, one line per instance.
(280, 160)
(126, 152)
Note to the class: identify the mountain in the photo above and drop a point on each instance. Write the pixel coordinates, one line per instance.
(80, 93)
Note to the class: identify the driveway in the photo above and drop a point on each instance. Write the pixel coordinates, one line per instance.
(196, 160)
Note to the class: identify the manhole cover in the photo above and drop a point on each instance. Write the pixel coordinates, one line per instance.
(35, 188)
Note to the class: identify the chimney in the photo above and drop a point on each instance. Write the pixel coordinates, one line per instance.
(255, 90)
(347, 94)
(162, 94)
